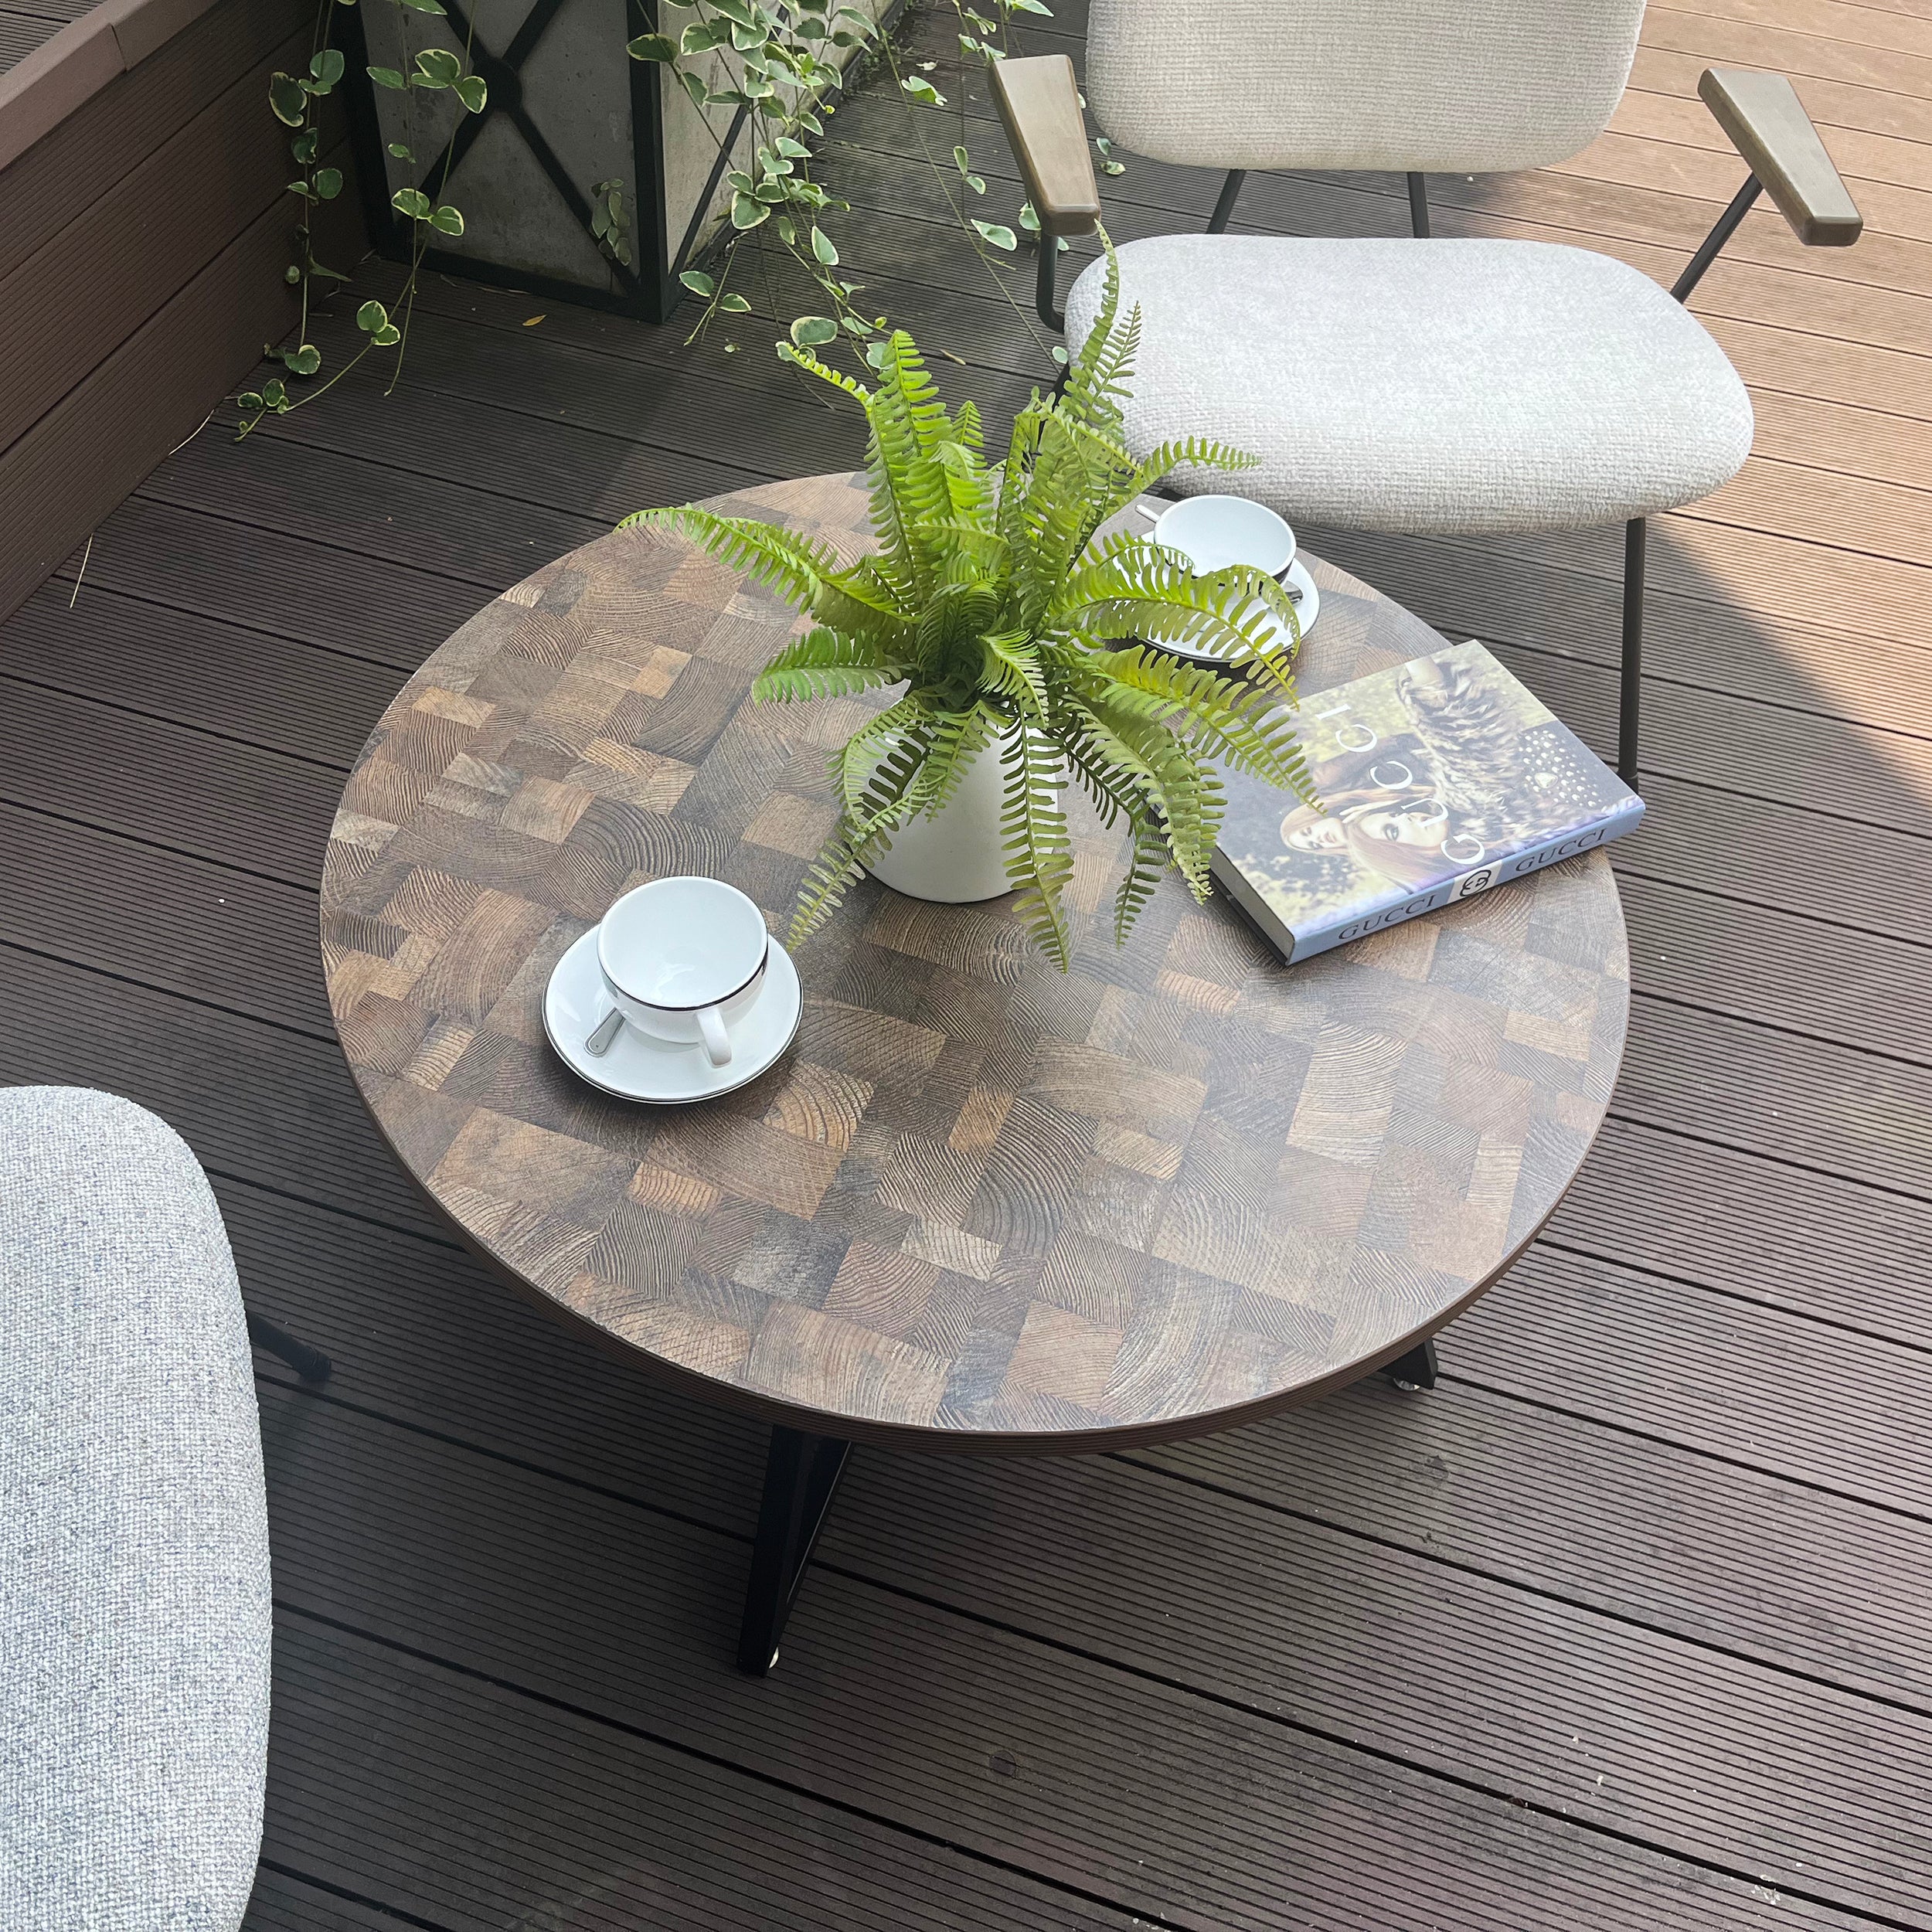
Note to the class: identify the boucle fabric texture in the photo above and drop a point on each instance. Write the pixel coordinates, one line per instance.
(1446, 86)
(133, 1539)
(1454, 387)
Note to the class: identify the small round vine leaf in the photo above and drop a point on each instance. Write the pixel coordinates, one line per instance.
(328, 67)
(734, 305)
(699, 283)
(472, 92)
(292, 274)
(372, 316)
(288, 98)
(652, 46)
(411, 202)
(387, 336)
(438, 67)
(399, 151)
(998, 237)
(446, 219)
(387, 77)
(810, 331)
(328, 182)
(304, 361)
(821, 247)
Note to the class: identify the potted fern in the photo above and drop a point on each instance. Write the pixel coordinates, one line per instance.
(1031, 648)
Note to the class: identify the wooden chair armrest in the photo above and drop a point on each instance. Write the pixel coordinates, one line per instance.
(1039, 103)
(1768, 126)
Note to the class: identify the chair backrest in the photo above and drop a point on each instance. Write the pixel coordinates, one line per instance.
(1469, 86)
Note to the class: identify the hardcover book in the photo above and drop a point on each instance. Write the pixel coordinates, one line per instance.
(1438, 779)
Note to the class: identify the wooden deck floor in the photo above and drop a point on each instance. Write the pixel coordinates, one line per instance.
(1625, 1626)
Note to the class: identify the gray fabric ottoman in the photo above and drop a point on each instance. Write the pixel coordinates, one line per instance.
(134, 1542)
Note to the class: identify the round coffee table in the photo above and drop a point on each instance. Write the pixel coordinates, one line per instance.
(979, 1205)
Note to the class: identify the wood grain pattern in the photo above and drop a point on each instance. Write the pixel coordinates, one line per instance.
(980, 1203)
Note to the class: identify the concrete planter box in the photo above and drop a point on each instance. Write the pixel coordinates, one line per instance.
(568, 109)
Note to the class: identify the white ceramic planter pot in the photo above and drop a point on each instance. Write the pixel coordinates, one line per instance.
(954, 857)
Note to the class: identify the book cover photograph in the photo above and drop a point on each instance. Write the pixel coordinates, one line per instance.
(1438, 778)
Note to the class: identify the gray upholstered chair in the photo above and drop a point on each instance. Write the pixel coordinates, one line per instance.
(133, 1540)
(1458, 386)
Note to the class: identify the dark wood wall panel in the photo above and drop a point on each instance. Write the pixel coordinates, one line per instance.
(81, 458)
(115, 130)
(141, 243)
(72, 302)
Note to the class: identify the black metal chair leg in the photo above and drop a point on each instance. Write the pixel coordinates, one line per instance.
(801, 1477)
(1419, 205)
(310, 1364)
(1635, 532)
(1415, 1370)
(1224, 203)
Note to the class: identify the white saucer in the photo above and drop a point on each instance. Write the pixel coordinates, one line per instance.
(1307, 610)
(638, 1067)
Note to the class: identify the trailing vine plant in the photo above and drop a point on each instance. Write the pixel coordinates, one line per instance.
(773, 67)
(295, 100)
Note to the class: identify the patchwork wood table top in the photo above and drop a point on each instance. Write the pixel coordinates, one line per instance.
(979, 1204)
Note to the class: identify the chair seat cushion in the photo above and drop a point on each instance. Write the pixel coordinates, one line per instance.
(135, 1607)
(1447, 386)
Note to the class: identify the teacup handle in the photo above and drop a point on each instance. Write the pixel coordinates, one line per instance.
(717, 1041)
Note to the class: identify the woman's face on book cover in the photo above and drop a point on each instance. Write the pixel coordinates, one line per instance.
(1422, 828)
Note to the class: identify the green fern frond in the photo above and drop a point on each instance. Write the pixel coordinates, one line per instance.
(1201, 452)
(1034, 835)
(887, 801)
(1240, 723)
(794, 565)
(1145, 867)
(824, 372)
(824, 663)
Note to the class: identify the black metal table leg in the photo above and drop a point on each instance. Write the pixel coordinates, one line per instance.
(802, 1478)
(1415, 1370)
(310, 1364)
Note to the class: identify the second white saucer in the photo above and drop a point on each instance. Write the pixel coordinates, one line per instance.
(639, 1067)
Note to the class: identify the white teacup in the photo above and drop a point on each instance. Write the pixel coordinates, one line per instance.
(683, 959)
(1216, 532)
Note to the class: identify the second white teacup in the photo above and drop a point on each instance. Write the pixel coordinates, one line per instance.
(1216, 532)
(683, 959)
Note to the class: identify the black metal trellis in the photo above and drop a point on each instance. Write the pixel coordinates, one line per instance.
(648, 289)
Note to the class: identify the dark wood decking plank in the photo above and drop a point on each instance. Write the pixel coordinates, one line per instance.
(1830, 103)
(254, 1100)
(1862, 155)
(21, 33)
(418, 1543)
(215, 567)
(1477, 1478)
(214, 934)
(202, 674)
(282, 1903)
(113, 130)
(274, 484)
(220, 799)
(1756, 1228)
(1762, 1388)
(1827, 1107)
(472, 1807)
